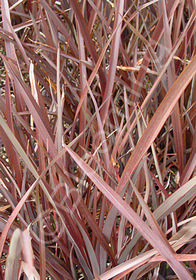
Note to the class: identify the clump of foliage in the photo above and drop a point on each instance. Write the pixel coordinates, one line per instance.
(98, 139)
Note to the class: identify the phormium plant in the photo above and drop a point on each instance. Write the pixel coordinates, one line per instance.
(98, 139)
